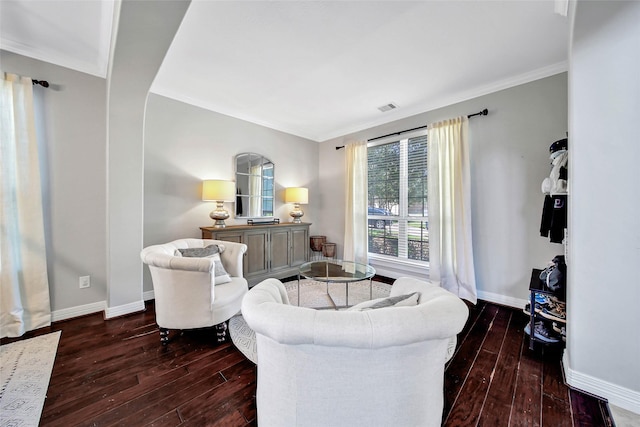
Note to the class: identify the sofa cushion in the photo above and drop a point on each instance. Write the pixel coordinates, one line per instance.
(406, 300)
(211, 251)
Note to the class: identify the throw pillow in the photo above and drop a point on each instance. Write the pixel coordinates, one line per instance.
(395, 301)
(221, 274)
(205, 252)
(211, 251)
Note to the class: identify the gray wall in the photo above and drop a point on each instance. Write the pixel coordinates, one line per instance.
(72, 130)
(509, 159)
(603, 342)
(185, 145)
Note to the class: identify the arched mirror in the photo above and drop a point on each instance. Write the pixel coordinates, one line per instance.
(254, 186)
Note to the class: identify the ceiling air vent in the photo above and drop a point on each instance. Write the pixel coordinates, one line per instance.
(388, 107)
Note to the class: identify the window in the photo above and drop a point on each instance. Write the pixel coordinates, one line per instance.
(397, 213)
(267, 190)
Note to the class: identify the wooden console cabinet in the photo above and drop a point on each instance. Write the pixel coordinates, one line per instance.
(273, 250)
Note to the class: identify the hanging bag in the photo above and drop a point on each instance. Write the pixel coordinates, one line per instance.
(553, 276)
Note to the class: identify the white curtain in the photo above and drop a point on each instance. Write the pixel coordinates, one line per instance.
(255, 190)
(24, 286)
(355, 226)
(450, 244)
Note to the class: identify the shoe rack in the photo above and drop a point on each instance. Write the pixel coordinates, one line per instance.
(537, 288)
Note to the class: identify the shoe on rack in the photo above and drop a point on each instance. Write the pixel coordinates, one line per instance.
(527, 309)
(561, 329)
(547, 304)
(541, 298)
(556, 313)
(541, 332)
(555, 302)
(554, 299)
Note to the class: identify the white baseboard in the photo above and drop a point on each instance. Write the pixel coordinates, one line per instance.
(148, 295)
(101, 306)
(81, 310)
(502, 299)
(121, 310)
(615, 394)
(391, 270)
(395, 269)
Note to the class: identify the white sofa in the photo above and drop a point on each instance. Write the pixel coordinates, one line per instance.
(382, 367)
(186, 296)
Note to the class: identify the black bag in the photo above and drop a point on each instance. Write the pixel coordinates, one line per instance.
(554, 276)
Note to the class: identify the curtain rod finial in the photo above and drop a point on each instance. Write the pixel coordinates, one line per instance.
(42, 83)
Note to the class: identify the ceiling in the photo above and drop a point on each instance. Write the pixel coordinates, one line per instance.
(316, 69)
(74, 34)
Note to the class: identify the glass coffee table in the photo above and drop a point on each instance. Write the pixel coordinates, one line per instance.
(336, 271)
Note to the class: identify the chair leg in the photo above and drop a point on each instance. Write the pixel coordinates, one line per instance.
(221, 332)
(164, 336)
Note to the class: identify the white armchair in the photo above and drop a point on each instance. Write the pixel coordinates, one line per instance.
(186, 294)
(380, 367)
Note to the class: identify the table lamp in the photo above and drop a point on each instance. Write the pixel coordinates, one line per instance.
(297, 196)
(219, 191)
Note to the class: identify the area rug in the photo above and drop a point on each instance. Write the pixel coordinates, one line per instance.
(25, 370)
(312, 294)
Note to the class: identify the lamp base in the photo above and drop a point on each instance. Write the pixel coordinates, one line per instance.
(219, 215)
(219, 224)
(296, 214)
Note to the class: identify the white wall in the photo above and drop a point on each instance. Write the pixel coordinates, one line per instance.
(603, 341)
(185, 145)
(72, 132)
(144, 32)
(509, 160)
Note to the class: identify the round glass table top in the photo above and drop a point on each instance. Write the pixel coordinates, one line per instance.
(336, 271)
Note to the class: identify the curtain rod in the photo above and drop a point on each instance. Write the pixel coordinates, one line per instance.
(480, 113)
(42, 83)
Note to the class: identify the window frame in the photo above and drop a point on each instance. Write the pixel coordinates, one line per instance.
(403, 217)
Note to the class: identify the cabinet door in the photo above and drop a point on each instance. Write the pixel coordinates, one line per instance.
(256, 261)
(280, 248)
(299, 246)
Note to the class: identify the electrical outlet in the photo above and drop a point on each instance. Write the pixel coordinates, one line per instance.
(85, 282)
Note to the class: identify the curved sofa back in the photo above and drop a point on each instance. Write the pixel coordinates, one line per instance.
(438, 315)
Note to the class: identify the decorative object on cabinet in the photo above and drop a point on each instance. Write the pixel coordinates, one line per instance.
(218, 191)
(255, 184)
(263, 221)
(273, 250)
(297, 196)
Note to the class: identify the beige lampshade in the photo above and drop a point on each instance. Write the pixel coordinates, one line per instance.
(218, 190)
(296, 195)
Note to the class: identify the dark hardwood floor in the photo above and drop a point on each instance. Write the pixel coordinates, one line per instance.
(115, 372)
